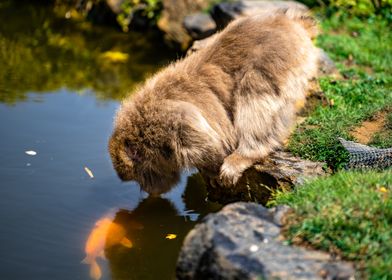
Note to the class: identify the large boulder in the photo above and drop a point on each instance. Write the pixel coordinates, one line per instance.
(101, 12)
(243, 241)
(225, 12)
(326, 65)
(199, 25)
(172, 18)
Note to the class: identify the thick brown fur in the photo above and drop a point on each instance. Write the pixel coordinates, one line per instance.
(219, 109)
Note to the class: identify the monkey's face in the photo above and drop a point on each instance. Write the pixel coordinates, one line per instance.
(153, 166)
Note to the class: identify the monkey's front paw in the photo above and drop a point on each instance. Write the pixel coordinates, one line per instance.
(232, 168)
(229, 175)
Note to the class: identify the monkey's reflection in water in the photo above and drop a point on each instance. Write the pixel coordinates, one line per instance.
(141, 250)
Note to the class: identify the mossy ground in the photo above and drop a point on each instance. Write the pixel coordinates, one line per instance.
(348, 213)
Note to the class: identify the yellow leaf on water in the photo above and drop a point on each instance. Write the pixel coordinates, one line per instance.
(114, 56)
(171, 236)
(89, 172)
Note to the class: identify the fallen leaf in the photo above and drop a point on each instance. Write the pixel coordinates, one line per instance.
(89, 172)
(31, 153)
(383, 190)
(171, 236)
(115, 56)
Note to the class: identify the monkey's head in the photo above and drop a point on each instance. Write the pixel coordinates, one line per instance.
(142, 150)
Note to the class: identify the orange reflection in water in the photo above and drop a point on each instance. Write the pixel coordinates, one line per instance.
(104, 235)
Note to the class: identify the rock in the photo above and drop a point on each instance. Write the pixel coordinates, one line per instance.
(326, 66)
(106, 12)
(172, 18)
(243, 241)
(101, 13)
(225, 12)
(199, 25)
(115, 5)
(280, 170)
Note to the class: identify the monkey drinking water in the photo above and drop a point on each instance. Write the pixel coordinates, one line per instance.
(219, 109)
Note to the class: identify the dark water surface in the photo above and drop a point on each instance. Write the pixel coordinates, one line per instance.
(60, 85)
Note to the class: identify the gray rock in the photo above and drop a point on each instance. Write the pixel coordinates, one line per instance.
(101, 13)
(199, 25)
(326, 65)
(225, 12)
(243, 241)
(280, 170)
(172, 18)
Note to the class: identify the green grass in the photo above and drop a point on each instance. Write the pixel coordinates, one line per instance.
(362, 50)
(349, 213)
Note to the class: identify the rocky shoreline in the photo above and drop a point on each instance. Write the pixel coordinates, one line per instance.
(244, 241)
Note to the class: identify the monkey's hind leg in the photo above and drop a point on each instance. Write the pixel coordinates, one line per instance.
(262, 121)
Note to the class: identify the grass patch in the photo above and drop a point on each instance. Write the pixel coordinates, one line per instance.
(362, 50)
(349, 213)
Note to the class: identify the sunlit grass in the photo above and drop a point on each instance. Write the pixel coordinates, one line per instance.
(363, 52)
(349, 213)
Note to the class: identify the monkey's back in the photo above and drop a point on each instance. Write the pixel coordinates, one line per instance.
(273, 45)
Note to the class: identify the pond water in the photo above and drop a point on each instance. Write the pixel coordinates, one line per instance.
(61, 82)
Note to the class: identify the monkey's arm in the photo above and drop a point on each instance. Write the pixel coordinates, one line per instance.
(263, 119)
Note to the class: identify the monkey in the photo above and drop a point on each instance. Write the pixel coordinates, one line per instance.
(220, 109)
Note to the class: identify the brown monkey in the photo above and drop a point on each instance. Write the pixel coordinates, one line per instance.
(221, 108)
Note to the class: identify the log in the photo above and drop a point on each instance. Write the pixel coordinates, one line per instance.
(279, 171)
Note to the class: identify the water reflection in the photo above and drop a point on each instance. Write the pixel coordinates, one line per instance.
(144, 243)
(42, 52)
(106, 234)
(59, 68)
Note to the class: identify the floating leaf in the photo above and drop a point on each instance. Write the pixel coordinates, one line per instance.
(113, 56)
(31, 153)
(89, 172)
(171, 236)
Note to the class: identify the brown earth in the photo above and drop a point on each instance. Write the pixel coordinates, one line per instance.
(365, 132)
